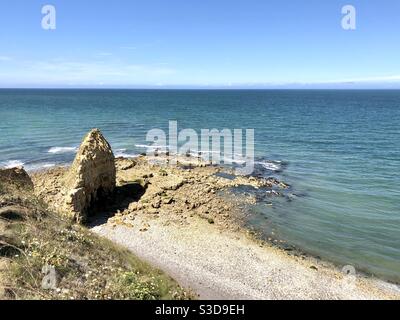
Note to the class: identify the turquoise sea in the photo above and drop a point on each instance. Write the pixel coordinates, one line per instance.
(339, 151)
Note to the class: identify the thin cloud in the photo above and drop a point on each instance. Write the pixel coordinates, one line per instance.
(85, 73)
(372, 79)
(5, 58)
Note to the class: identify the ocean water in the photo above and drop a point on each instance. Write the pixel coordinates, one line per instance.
(339, 150)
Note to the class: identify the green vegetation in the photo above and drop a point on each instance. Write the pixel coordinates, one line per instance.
(87, 266)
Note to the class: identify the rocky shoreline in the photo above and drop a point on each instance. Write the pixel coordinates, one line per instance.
(122, 189)
(148, 189)
(156, 209)
(183, 199)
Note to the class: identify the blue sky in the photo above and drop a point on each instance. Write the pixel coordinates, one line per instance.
(181, 43)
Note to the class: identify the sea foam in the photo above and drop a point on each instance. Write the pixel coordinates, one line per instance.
(12, 164)
(55, 150)
(122, 153)
(39, 166)
(270, 165)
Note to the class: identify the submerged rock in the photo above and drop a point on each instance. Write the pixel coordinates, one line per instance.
(91, 176)
(124, 163)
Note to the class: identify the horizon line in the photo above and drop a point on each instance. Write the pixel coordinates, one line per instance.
(192, 88)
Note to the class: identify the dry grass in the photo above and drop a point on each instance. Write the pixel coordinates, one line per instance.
(88, 267)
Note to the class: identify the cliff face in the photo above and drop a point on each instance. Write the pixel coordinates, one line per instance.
(92, 175)
(44, 256)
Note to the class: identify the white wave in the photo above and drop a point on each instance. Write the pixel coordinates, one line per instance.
(237, 158)
(141, 146)
(122, 153)
(56, 150)
(210, 152)
(39, 166)
(145, 146)
(218, 155)
(270, 165)
(11, 164)
(237, 161)
(194, 154)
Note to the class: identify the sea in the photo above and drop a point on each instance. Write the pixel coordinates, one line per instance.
(339, 150)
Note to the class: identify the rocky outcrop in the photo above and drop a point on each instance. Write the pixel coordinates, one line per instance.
(16, 177)
(91, 176)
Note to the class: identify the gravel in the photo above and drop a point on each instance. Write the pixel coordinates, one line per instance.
(221, 264)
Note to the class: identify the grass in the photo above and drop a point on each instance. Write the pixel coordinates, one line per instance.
(87, 266)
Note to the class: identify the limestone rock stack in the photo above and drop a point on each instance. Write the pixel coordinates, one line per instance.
(91, 176)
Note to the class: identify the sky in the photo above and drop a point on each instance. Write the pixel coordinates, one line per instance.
(200, 44)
